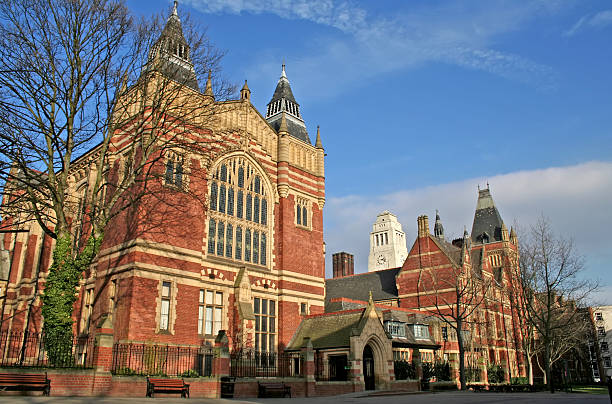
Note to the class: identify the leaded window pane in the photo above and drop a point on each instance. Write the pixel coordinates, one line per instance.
(230, 201)
(222, 195)
(256, 247)
(305, 216)
(224, 173)
(256, 210)
(220, 237)
(247, 245)
(217, 319)
(241, 177)
(257, 184)
(298, 214)
(272, 307)
(263, 248)
(249, 207)
(169, 171)
(228, 241)
(178, 174)
(256, 306)
(239, 204)
(213, 196)
(212, 225)
(264, 211)
(272, 325)
(209, 320)
(238, 243)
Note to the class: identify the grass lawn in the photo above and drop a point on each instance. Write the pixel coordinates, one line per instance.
(590, 389)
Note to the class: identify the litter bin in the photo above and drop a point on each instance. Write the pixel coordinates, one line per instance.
(424, 384)
(227, 387)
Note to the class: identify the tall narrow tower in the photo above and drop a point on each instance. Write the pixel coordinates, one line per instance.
(387, 243)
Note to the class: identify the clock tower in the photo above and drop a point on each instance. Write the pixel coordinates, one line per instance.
(387, 243)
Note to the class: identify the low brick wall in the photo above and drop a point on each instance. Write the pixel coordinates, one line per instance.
(405, 385)
(248, 387)
(88, 382)
(335, 388)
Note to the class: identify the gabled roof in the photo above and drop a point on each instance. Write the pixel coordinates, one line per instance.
(380, 283)
(329, 330)
(487, 220)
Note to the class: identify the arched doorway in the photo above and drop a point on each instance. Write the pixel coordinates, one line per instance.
(368, 368)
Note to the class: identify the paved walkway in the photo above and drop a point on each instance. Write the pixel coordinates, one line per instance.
(455, 397)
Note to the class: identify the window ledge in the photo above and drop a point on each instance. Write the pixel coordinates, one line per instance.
(300, 226)
(235, 263)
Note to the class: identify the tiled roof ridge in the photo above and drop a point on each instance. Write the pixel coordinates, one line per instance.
(333, 313)
(379, 305)
(362, 273)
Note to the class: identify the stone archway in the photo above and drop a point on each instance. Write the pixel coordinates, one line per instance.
(375, 358)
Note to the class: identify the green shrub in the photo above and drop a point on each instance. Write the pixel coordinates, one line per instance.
(428, 370)
(496, 374)
(404, 370)
(190, 373)
(519, 380)
(442, 371)
(125, 372)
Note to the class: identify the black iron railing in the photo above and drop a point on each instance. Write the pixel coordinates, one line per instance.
(26, 349)
(266, 364)
(161, 360)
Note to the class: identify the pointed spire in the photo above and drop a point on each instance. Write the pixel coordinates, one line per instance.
(208, 90)
(283, 125)
(283, 101)
(370, 299)
(487, 225)
(438, 228)
(175, 8)
(513, 237)
(318, 143)
(504, 232)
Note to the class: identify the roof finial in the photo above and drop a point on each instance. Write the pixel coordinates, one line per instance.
(487, 185)
(318, 143)
(283, 74)
(174, 10)
(208, 90)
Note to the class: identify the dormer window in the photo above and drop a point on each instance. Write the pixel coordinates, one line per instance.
(396, 328)
(421, 331)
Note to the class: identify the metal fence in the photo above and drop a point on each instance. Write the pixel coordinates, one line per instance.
(161, 360)
(26, 349)
(266, 364)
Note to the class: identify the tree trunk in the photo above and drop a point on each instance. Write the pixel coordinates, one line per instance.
(530, 369)
(547, 365)
(461, 356)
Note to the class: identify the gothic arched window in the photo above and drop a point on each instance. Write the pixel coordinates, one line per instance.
(239, 227)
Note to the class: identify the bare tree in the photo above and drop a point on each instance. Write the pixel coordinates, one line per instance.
(78, 78)
(458, 293)
(553, 292)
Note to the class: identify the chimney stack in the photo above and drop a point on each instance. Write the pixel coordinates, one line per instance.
(343, 264)
(423, 225)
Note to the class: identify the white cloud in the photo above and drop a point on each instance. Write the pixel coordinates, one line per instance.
(597, 20)
(576, 199)
(456, 34)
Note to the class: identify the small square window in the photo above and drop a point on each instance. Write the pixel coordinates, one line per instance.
(601, 331)
(598, 317)
(607, 362)
(303, 309)
(604, 346)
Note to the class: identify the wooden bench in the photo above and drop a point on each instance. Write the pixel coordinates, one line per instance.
(167, 386)
(25, 382)
(476, 387)
(274, 390)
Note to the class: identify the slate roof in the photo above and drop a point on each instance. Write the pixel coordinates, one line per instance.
(283, 90)
(331, 330)
(358, 287)
(296, 130)
(486, 218)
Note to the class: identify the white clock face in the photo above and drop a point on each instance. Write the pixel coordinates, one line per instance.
(381, 259)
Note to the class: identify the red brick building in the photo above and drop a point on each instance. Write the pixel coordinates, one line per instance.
(230, 238)
(480, 267)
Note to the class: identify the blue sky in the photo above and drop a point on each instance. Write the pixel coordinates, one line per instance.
(420, 101)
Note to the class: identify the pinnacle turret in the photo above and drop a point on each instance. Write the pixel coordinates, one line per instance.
(283, 102)
(170, 53)
(318, 143)
(438, 228)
